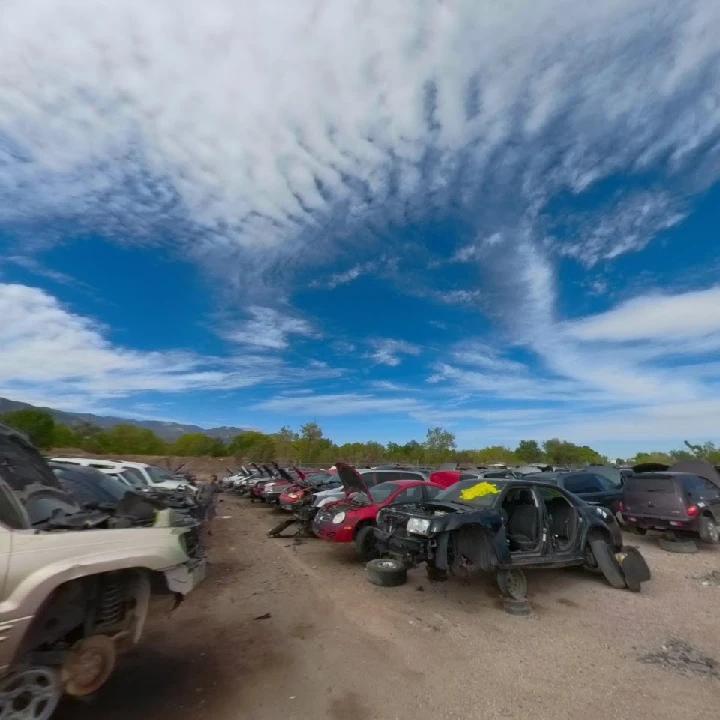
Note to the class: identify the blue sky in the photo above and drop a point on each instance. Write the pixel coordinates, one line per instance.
(501, 218)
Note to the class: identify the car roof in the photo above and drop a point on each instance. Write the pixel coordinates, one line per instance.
(85, 462)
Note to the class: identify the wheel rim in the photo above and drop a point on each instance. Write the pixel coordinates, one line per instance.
(31, 694)
(388, 564)
(515, 584)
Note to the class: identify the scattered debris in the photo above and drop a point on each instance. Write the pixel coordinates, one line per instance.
(682, 657)
(266, 616)
(710, 579)
(420, 588)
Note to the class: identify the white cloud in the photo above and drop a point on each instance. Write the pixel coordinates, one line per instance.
(54, 357)
(387, 351)
(269, 329)
(654, 317)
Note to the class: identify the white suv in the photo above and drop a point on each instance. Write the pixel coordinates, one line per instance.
(151, 475)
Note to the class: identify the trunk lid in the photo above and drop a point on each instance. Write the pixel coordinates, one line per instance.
(654, 495)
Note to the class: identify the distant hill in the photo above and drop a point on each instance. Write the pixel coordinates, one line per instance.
(166, 430)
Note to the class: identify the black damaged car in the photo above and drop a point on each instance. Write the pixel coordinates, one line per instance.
(505, 526)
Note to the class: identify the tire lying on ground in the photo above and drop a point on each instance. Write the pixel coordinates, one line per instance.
(634, 567)
(517, 607)
(709, 532)
(386, 572)
(607, 563)
(677, 546)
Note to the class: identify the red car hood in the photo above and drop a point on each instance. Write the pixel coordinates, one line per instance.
(445, 478)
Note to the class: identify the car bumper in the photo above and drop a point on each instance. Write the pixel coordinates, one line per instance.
(333, 533)
(662, 524)
(287, 506)
(186, 577)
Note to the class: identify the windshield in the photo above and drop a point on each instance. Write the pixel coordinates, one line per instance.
(472, 492)
(160, 475)
(382, 492)
(133, 476)
(322, 478)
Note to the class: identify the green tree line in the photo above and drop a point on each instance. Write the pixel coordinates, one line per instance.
(309, 445)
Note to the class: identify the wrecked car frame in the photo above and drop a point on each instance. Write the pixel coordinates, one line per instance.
(507, 526)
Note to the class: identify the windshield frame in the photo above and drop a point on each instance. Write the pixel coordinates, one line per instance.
(500, 483)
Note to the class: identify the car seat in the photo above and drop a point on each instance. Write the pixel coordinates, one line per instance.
(523, 522)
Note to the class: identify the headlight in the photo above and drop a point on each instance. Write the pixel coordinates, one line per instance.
(418, 526)
(338, 518)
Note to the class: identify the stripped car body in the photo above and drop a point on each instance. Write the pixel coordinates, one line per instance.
(76, 587)
(503, 525)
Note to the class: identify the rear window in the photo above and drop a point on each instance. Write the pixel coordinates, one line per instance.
(641, 484)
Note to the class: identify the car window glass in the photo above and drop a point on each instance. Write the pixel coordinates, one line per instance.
(643, 484)
(700, 487)
(382, 492)
(78, 492)
(411, 494)
(467, 476)
(431, 491)
(582, 483)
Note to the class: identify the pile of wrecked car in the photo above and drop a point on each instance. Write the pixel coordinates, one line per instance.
(79, 578)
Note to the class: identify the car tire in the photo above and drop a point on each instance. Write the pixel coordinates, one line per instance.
(635, 568)
(610, 567)
(709, 532)
(677, 546)
(512, 584)
(386, 572)
(365, 543)
(521, 608)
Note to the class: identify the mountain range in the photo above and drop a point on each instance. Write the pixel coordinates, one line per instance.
(168, 431)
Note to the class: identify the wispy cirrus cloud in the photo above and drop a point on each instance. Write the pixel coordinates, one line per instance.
(265, 147)
(387, 351)
(269, 328)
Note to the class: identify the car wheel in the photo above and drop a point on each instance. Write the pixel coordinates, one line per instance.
(709, 530)
(386, 572)
(605, 557)
(677, 546)
(512, 583)
(365, 543)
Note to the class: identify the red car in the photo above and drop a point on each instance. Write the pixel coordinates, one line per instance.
(353, 519)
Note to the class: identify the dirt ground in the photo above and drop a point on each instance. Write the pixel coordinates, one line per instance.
(286, 631)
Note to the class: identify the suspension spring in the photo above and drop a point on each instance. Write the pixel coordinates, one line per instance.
(110, 609)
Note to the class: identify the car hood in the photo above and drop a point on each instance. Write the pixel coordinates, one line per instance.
(352, 480)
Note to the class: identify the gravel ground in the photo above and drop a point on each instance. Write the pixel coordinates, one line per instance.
(330, 645)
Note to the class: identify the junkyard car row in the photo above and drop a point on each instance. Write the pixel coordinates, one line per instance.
(89, 546)
(498, 519)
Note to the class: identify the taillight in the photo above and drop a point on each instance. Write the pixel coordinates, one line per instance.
(692, 510)
(621, 507)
